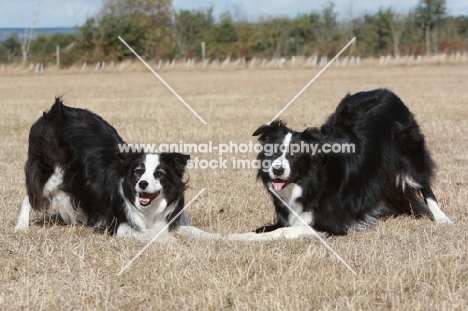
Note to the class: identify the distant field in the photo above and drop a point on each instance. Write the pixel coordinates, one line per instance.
(402, 264)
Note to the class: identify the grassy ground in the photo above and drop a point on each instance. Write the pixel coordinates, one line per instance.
(402, 264)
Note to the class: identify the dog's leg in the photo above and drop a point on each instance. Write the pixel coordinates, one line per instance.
(23, 219)
(408, 182)
(439, 216)
(289, 233)
(431, 201)
(126, 231)
(67, 212)
(268, 228)
(192, 232)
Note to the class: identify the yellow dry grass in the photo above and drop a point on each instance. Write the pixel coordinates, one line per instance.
(402, 264)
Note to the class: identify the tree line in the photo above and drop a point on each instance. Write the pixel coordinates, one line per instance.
(156, 31)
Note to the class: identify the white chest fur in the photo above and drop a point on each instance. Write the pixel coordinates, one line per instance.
(153, 216)
(290, 194)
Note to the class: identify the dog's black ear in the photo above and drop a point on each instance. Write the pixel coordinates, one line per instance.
(326, 130)
(265, 130)
(126, 157)
(262, 129)
(176, 160)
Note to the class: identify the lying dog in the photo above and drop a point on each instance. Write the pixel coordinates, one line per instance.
(368, 161)
(74, 163)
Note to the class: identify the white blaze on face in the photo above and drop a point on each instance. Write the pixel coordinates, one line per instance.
(151, 163)
(283, 163)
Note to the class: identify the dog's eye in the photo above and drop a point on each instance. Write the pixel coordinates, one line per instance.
(140, 171)
(159, 174)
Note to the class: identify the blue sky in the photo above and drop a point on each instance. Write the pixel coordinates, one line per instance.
(69, 13)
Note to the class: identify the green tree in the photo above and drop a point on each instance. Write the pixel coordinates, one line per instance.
(304, 31)
(276, 31)
(248, 36)
(44, 49)
(395, 22)
(46, 44)
(143, 24)
(429, 13)
(11, 47)
(225, 30)
(328, 33)
(367, 34)
(222, 38)
(191, 28)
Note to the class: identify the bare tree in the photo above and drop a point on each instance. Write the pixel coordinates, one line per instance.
(29, 35)
(396, 23)
(352, 22)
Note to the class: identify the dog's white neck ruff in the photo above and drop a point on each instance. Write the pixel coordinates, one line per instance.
(290, 194)
(153, 216)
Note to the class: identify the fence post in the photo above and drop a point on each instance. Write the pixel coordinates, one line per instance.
(203, 52)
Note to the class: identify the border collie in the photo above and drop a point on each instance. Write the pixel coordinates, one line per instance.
(74, 163)
(388, 174)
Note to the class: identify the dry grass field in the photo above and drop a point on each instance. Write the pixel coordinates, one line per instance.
(402, 264)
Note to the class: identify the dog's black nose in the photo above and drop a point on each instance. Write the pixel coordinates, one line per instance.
(143, 184)
(278, 171)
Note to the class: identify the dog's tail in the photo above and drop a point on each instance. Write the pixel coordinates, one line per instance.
(56, 111)
(44, 154)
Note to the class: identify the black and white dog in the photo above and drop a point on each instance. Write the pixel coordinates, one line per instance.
(74, 163)
(368, 161)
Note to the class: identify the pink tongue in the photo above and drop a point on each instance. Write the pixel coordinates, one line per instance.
(278, 186)
(145, 198)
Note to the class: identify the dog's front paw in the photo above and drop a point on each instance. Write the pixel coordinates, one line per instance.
(21, 227)
(444, 221)
(157, 236)
(192, 232)
(249, 236)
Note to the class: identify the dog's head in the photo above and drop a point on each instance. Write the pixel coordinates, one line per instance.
(285, 153)
(149, 177)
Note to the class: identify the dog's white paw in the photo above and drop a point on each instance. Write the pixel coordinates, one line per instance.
(286, 233)
(157, 236)
(22, 226)
(444, 221)
(23, 220)
(192, 232)
(248, 236)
